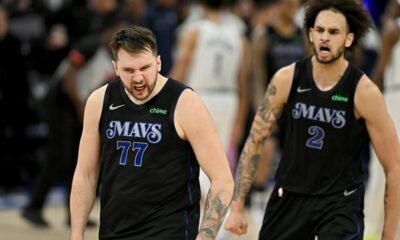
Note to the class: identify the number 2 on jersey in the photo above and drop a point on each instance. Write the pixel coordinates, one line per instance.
(316, 140)
(125, 146)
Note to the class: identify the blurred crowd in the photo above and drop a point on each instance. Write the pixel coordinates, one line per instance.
(45, 45)
(37, 38)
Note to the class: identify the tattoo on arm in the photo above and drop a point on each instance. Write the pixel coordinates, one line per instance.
(263, 124)
(215, 210)
(245, 175)
(267, 111)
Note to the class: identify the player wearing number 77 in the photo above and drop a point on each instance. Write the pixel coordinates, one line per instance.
(145, 137)
(329, 104)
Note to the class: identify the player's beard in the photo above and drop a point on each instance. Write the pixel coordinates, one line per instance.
(150, 90)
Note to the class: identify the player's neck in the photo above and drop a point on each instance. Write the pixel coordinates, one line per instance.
(284, 27)
(212, 15)
(327, 75)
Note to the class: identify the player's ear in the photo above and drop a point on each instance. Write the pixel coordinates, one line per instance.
(115, 67)
(349, 39)
(158, 61)
(310, 32)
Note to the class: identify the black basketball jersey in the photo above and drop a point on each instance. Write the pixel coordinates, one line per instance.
(282, 50)
(149, 175)
(323, 138)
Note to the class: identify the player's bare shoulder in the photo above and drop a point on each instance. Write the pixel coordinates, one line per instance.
(367, 97)
(185, 111)
(286, 73)
(94, 103)
(282, 81)
(185, 100)
(366, 89)
(97, 96)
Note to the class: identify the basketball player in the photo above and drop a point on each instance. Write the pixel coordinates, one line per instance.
(329, 105)
(145, 136)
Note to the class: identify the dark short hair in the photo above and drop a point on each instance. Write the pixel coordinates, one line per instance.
(133, 39)
(265, 3)
(357, 17)
(216, 4)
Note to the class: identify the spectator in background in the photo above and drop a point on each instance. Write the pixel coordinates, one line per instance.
(134, 11)
(80, 20)
(162, 17)
(14, 94)
(87, 67)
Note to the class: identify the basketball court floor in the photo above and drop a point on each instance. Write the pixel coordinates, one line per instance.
(13, 227)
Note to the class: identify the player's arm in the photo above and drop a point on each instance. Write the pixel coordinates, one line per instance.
(268, 113)
(193, 122)
(70, 86)
(243, 98)
(259, 50)
(186, 46)
(84, 183)
(370, 105)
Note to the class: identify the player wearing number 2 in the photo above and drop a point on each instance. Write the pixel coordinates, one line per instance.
(144, 137)
(329, 105)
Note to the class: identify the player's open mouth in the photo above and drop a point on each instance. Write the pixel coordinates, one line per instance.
(324, 49)
(139, 88)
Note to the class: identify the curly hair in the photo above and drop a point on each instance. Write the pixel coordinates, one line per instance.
(357, 17)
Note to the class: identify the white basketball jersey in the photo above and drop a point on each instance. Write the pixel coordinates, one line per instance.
(216, 59)
(94, 73)
(392, 72)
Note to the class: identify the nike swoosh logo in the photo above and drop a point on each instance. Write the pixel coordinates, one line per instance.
(346, 193)
(116, 107)
(301, 90)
